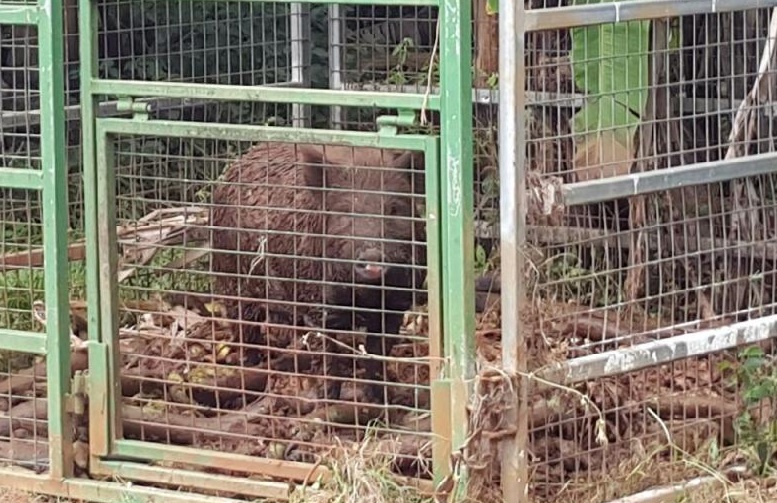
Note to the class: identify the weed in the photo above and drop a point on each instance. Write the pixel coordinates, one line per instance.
(756, 376)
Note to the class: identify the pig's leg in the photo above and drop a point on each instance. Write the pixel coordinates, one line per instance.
(382, 332)
(329, 320)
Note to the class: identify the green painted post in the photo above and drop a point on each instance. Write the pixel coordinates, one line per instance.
(457, 211)
(55, 222)
(102, 410)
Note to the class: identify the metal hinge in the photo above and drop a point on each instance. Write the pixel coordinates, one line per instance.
(139, 110)
(389, 124)
(79, 390)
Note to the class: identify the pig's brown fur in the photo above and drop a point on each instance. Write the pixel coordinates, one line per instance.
(271, 198)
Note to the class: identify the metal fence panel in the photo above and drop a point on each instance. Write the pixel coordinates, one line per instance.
(641, 261)
(131, 387)
(164, 164)
(33, 174)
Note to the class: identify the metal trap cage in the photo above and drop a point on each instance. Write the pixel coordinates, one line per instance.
(269, 296)
(32, 211)
(238, 337)
(226, 346)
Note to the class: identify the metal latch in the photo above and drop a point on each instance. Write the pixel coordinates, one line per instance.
(139, 110)
(76, 400)
(389, 124)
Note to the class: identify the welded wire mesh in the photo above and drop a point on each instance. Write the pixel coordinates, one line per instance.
(397, 49)
(214, 42)
(23, 438)
(628, 98)
(23, 427)
(226, 349)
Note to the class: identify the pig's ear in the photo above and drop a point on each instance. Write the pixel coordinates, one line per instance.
(412, 164)
(312, 163)
(404, 160)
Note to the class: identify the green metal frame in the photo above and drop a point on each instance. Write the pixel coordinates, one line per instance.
(105, 415)
(449, 230)
(51, 181)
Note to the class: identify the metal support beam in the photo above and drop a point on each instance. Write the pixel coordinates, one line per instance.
(23, 342)
(724, 170)
(16, 178)
(654, 353)
(19, 14)
(275, 94)
(558, 18)
(512, 206)
(55, 227)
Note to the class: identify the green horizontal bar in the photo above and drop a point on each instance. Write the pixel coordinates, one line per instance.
(702, 173)
(15, 178)
(240, 132)
(147, 451)
(19, 14)
(126, 470)
(23, 342)
(330, 97)
(97, 491)
(556, 18)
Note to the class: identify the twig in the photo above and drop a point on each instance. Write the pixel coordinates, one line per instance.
(742, 131)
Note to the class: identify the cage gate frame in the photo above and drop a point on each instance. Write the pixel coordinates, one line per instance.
(114, 456)
(51, 182)
(453, 226)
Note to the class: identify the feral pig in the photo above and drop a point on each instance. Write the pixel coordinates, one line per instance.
(320, 231)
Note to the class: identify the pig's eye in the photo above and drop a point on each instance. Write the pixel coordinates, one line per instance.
(393, 210)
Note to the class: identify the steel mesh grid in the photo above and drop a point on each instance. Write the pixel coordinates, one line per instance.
(235, 43)
(663, 425)
(23, 424)
(697, 241)
(19, 93)
(20, 110)
(194, 372)
(604, 276)
(384, 46)
(215, 42)
(23, 439)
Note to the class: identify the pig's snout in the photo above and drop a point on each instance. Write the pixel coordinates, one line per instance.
(370, 265)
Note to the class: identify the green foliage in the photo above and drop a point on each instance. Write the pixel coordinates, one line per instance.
(492, 7)
(610, 63)
(756, 377)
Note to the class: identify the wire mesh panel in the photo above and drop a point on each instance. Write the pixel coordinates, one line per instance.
(273, 304)
(669, 256)
(23, 438)
(23, 387)
(381, 48)
(207, 42)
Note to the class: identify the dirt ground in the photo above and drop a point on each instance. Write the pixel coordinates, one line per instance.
(739, 493)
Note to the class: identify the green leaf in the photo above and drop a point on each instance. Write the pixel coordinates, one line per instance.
(758, 392)
(492, 7)
(610, 63)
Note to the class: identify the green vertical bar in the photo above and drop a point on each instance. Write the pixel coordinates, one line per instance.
(440, 399)
(55, 222)
(100, 411)
(108, 272)
(457, 210)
